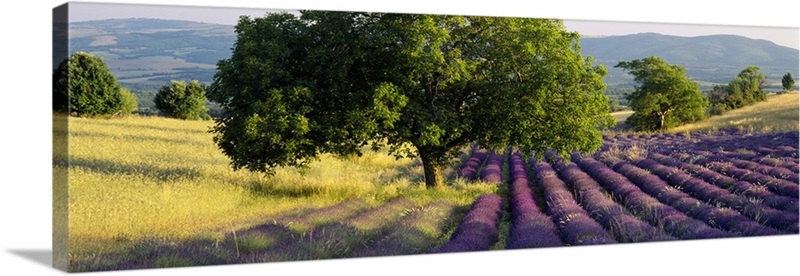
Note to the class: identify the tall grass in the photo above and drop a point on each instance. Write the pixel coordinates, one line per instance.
(777, 114)
(139, 179)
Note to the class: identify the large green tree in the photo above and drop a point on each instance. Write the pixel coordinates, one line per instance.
(787, 81)
(182, 100)
(83, 86)
(422, 85)
(665, 97)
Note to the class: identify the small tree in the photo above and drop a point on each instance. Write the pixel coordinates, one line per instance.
(665, 98)
(717, 99)
(183, 101)
(746, 88)
(129, 102)
(83, 86)
(787, 81)
(613, 105)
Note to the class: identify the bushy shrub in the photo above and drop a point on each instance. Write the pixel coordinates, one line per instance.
(182, 100)
(83, 86)
(718, 109)
(129, 102)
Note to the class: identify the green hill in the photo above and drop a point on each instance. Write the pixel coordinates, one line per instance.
(777, 113)
(707, 59)
(146, 53)
(152, 51)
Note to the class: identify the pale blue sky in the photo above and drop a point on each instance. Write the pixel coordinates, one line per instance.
(82, 11)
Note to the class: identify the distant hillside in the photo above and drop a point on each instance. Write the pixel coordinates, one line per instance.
(152, 51)
(707, 59)
(146, 53)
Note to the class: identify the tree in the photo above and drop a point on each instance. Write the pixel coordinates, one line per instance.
(422, 85)
(83, 86)
(613, 106)
(181, 100)
(787, 81)
(665, 97)
(746, 88)
(717, 99)
(129, 102)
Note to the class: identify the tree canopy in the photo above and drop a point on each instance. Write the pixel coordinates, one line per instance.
(787, 81)
(182, 100)
(83, 86)
(745, 89)
(422, 85)
(665, 97)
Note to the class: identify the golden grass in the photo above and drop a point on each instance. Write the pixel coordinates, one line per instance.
(778, 113)
(145, 178)
(621, 116)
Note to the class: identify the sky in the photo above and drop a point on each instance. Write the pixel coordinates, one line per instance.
(781, 35)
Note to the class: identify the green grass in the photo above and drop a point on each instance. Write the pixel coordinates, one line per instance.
(147, 180)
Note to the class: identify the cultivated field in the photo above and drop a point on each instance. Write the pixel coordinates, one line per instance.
(154, 192)
(145, 185)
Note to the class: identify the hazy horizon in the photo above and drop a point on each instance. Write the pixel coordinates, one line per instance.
(783, 36)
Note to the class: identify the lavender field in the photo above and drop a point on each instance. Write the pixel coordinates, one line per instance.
(639, 188)
(636, 188)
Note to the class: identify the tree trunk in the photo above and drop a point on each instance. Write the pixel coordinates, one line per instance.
(433, 171)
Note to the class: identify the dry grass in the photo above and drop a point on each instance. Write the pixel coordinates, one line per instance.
(778, 113)
(621, 116)
(137, 179)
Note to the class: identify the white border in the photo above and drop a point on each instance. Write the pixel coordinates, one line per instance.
(25, 151)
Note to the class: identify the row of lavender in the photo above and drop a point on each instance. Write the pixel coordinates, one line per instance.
(745, 157)
(687, 186)
(755, 174)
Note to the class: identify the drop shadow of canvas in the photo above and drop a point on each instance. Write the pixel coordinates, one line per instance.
(40, 256)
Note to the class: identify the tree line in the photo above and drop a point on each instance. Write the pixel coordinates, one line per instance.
(84, 86)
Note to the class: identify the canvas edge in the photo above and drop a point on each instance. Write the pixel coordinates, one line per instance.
(60, 148)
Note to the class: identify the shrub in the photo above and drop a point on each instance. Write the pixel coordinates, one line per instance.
(182, 100)
(83, 86)
(718, 109)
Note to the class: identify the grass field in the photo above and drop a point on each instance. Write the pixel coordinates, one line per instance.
(777, 113)
(137, 180)
(620, 116)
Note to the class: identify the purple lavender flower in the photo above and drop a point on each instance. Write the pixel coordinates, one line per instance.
(478, 228)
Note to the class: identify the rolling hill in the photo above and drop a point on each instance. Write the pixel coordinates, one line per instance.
(146, 53)
(707, 59)
(152, 51)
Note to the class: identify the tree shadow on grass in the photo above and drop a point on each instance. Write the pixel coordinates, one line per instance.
(410, 171)
(414, 173)
(136, 137)
(261, 189)
(157, 128)
(328, 236)
(113, 168)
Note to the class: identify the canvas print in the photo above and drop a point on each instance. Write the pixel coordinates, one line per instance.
(194, 136)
